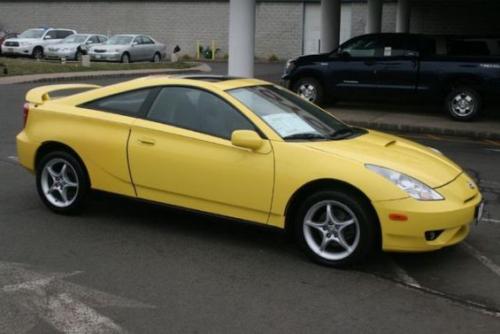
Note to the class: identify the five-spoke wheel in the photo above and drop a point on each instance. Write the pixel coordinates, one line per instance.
(336, 228)
(310, 89)
(463, 103)
(61, 181)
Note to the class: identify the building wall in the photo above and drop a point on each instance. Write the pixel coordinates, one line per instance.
(452, 17)
(278, 25)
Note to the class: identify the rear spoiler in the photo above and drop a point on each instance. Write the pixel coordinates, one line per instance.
(40, 95)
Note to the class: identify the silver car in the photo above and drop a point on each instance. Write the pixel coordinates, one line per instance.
(74, 46)
(129, 48)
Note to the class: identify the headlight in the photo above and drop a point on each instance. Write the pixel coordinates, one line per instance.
(411, 186)
(290, 65)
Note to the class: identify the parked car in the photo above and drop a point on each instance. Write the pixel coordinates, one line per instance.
(129, 48)
(461, 71)
(74, 46)
(32, 42)
(251, 151)
(6, 35)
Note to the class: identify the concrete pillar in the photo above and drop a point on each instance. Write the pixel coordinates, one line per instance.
(374, 17)
(330, 25)
(241, 38)
(403, 16)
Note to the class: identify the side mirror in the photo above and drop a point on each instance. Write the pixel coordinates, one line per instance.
(247, 139)
(344, 54)
(48, 37)
(135, 43)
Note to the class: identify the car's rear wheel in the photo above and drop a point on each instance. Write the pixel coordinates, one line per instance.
(38, 52)
(156, 58)
(62, 182)
(125, 58)
(335, 228)
(463, 104)
(310, 89)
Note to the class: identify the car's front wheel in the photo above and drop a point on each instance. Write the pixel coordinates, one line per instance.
(125, 58)
(157, 58)
(62, 182)
(310, 89)
(463, 104)
(38, 52)
(335, 228)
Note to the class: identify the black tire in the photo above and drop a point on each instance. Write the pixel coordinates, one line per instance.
(38, 52)
(75, 173)
(463, 104)
(126, 59)
(365, 224)
(78, 55)
(310, 89)
(156, 58)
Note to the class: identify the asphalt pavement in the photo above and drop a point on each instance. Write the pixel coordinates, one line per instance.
(127, 266)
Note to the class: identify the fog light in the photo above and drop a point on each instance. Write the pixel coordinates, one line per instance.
(432, 235)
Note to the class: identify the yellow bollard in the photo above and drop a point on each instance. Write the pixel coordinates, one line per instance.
(213, 50)
(198, 50)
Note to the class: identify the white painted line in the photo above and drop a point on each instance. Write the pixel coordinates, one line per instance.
(483, 259)
(66, 306)
(13, 158)
(403, 276)
(490, 220)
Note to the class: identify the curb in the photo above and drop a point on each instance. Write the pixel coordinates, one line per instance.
(405, 128)
(50, 77)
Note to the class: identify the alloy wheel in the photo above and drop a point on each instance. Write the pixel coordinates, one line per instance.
(308, 92)
(463, 104)
(331, 230)
(59, 182)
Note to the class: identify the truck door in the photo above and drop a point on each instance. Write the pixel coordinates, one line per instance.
(352, 69)
(397, 67)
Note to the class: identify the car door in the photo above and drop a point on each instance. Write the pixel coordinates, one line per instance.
(149, 47)
(352, 70)
(135, 49)
(181, 154)
(50, 38)
(397, 67)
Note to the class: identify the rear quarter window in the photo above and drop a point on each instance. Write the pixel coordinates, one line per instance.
(128, 103)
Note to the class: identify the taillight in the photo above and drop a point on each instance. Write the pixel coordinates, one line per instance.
(26, 111)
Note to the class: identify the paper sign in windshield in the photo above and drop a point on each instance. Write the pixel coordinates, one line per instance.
(287, 124)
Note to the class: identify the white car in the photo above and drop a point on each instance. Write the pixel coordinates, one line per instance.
(73, 46)
(32, 42)
(129, 48)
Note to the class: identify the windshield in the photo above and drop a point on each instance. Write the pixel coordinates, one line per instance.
(119, 40)
(75, 39)
(288, 114)
(32, 33)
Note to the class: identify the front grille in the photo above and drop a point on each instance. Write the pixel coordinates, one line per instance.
(53, 49)
(7, 43)
(99, 51)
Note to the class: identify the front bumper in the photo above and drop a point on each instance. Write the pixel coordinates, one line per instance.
(105, 56)
(17, 50)
(449, 220)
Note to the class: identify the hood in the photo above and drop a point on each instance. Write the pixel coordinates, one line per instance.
(396, 153)
(312, 58)
(31, 40)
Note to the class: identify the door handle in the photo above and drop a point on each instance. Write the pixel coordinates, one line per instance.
(147, 141)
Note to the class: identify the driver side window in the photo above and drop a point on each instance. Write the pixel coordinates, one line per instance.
(367, 46)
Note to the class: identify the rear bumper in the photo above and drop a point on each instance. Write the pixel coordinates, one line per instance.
(17, 50)
(449, 219)
(59, 55)
(105, 56)
(26, 151)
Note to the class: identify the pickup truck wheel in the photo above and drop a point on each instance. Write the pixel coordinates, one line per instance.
(62, 182)
(463, 104)
(309, 89)
(335, 228)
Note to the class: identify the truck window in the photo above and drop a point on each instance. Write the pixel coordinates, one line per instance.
(366, 46)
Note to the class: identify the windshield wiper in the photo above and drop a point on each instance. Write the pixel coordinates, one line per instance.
(305, 135)
(341, 133)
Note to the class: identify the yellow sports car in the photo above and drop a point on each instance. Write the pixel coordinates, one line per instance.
(249, 150)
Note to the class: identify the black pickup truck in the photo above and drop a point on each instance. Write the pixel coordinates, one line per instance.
(462, 71)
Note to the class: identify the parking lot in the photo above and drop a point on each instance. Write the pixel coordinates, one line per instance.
(125, 266)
